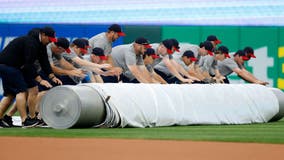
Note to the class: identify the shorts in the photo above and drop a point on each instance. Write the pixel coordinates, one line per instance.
(13, 81)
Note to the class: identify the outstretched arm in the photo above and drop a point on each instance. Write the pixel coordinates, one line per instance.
(182, 71)
(174, 71)
(248, 76)
(137, 73)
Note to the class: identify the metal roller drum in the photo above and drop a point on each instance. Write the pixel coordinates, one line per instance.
(72, 107)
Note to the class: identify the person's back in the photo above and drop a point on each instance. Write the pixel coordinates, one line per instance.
(100, 40)
(209, 64)
(119, 53)
(16, 53)
(185, 47)
(130, 58)
(104, 40)
(226, 66)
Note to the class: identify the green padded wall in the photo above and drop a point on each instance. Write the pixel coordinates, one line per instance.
(265, 42)
(152, 33)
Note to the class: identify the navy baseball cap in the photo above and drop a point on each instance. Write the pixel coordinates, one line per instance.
(64, 43)
(189, 54)
(99, 52)
(49, 31)
(143, 41)
(213, 38)
(249, 52)
(116, 28)
(208, 46)
(80, 44)
(169, 45)
(151, 52)
(224, 50)
(175, 44)
(242, 54)
(86, 43)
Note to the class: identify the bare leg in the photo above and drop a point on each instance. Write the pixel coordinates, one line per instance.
(32, 96)
(21, 104)
(4, 104)
(39, 97)
(12, 110)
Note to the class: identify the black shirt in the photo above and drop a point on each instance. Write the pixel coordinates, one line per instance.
(22, 53)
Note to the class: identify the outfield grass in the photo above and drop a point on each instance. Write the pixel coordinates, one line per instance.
(259, 133)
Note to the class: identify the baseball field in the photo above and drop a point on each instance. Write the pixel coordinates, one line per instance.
(252, 141)
(272, 132)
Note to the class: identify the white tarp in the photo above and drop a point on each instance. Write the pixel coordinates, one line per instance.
(149, 105)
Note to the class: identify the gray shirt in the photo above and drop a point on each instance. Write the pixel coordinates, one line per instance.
(226, 66)
(88, 58)
(124, 55)
(53, 58)
(69, 58)
(180, 61)
(209, 65)
(161, 66)
(185, 47)
(101, 41)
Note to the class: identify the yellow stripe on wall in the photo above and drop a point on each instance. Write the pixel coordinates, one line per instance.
(281, 52)
(280, 83)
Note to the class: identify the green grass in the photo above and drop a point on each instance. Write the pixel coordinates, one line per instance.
(258, 133)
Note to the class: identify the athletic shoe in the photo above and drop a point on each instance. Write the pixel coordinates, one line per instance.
(8, 120)
(41, 123)
(29, 122)
(3, 124)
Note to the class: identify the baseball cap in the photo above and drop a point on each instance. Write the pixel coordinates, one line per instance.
(64, 43)
(224, 50)
(242, 54)
(143, 41)
(80, 44)
(99, 52)
(49, 31)
(176, 45)
(189, 54)
(86, 43)
(151, 52)
(249, 52)
(116, 28)
(208, 46)
(169, 45)
(213, 38)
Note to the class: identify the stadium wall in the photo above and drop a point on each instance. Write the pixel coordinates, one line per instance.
(268, 41)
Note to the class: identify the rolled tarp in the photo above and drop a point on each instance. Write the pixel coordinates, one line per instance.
(151, 105)
(280, 97)
(72, 106)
